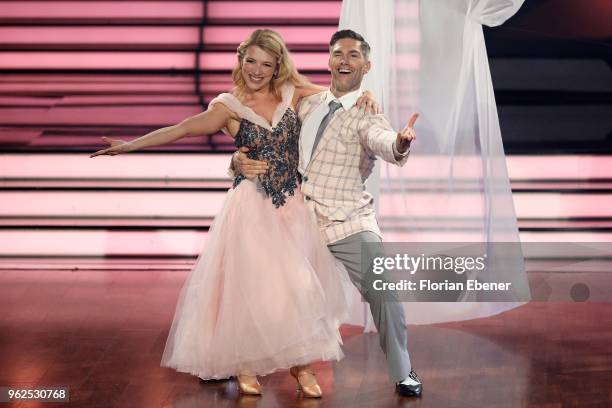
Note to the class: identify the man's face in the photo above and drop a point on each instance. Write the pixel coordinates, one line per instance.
(348, 65)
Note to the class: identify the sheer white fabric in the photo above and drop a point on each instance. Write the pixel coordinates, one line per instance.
(430, 57)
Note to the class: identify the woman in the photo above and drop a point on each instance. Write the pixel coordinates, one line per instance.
(266, 294)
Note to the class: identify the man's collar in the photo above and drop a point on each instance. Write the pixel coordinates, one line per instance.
(347, 100)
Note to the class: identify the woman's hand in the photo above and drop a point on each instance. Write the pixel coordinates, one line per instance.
(367, 102)
(116, 147)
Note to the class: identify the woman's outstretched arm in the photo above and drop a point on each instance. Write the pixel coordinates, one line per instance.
(304, 91)
(366, 101)
(207, 122)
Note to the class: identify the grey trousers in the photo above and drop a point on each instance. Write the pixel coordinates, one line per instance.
(387, 312)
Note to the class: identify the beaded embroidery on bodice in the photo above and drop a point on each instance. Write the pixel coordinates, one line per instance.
(278, 145)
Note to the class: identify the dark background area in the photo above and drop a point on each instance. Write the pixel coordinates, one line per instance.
(551, 65)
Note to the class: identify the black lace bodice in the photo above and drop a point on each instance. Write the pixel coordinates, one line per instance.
(279, 148)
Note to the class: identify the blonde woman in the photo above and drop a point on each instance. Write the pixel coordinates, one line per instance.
(266, 294)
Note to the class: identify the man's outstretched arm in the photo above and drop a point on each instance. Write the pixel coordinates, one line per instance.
(381, 140)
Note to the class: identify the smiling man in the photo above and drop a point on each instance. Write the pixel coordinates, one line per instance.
(338, 148)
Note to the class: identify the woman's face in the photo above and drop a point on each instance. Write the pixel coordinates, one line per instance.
(258, 68)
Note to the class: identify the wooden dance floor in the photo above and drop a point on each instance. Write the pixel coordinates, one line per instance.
(102, 333)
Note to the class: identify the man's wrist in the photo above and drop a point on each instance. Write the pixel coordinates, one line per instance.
(234, 158)
(232, 171)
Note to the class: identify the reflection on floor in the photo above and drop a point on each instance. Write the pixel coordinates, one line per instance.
(101, 333)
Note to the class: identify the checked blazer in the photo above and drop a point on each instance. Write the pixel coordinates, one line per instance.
(333, 180)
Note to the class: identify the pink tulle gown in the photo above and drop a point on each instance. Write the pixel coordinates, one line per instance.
(266, 294)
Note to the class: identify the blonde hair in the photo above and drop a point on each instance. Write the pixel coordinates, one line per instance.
(272, 43)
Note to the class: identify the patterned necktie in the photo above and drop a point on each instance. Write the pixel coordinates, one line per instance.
(333, 106)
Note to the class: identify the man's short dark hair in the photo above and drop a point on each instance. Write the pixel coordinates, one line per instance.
(338, 35)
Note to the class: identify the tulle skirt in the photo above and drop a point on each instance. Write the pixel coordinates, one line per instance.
(266, 294)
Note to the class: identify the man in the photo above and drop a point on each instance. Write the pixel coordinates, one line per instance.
(338, 145)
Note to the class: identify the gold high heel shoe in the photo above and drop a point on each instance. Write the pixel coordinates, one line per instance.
(307, 383)
(248, 384)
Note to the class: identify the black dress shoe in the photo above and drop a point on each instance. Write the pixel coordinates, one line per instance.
(411, 386)
(212, 380)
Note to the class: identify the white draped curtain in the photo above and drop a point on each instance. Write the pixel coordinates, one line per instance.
(430, 57)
